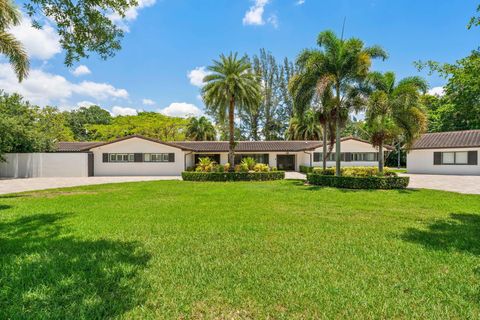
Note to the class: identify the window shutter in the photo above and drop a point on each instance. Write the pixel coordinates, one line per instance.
(138, 157)
(437, 158)
(348, 156)
(473, 158)
(105, 157)
(316, 157)
(267, 160)
(171, 157)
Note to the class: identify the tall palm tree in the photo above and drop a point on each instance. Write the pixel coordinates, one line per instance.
(9, 46)
(305, 127)
(394, 110)
(200, 129)
(231, 84)
(343, 65)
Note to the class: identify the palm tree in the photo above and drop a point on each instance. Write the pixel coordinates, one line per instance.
(200, 129)
(394, 110)
(9, 46)
(342, 65)
(305, 127)
(231, 84)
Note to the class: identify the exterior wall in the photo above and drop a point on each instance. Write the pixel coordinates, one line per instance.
(421, 161)
(138, 145)
(350, 146)
(37, 165)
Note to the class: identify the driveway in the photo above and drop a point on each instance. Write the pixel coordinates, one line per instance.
(31, 184)
(461, 184)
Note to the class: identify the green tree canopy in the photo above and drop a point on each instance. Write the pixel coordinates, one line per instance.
(200, 129)
(80, 118)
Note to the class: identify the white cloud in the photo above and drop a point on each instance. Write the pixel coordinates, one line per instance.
(131, 14)
(85, 104)
(437, 91)
(181, 109)
(40, 43)
(300, 2)
(196, 76)
(81, 70)
(254, 15)
(273, 20)
(43, 88)
(123, 111)
(148, 102)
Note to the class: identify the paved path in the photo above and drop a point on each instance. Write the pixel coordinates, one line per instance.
(31, 184)
(462, 184)
(295, 175)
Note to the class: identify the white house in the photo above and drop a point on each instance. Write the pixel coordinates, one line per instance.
(141, 156)
(453, 153)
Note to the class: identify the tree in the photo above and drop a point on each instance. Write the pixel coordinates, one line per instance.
(306, 127)
(459, 109)
(231, 84)
(475, 20)
(80, 118)
(200, 129)
(9, 46)
(343, 65)
(394, 110)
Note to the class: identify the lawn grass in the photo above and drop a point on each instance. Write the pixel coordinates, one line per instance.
(277, 250)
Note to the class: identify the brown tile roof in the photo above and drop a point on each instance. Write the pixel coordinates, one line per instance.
(453, 139)
(211, 146)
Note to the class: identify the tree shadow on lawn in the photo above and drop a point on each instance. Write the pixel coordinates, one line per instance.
(345, 190)
(4, 207)
(461, 233)
(48, 273)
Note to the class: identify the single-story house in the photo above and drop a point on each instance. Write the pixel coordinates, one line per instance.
(141, 156)
(453, 152)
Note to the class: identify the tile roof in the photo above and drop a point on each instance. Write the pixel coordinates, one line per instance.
(75, 146)
(453, 139)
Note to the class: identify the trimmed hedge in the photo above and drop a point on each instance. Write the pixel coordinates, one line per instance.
(233, 176)
(374, 182)
(306, 169)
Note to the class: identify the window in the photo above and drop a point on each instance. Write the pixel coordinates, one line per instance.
(121, 157)
(348, 156)
(156, 157)
(455, 157)
(259, 158)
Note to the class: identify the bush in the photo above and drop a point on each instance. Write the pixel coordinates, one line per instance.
(350, 182)
(233, 176)
(356, 172)
(260, 167)
(306, 169)
(248, 162)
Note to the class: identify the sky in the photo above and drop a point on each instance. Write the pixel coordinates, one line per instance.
(169, 43)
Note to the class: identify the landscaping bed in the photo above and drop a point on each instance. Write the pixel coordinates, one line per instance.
(233, 176)
(373, 182)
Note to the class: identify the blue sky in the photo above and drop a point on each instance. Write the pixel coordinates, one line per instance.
(167, 39)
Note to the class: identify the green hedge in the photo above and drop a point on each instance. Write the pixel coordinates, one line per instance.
(358, 182)
(306, 169)
(233, 176)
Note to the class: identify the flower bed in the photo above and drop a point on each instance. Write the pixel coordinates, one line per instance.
(233, 176)
(353, 182)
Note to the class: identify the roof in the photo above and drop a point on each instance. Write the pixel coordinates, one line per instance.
(210, 146)
(453, 139)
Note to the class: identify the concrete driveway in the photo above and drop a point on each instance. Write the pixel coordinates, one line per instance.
(461, 184)
(31, 184)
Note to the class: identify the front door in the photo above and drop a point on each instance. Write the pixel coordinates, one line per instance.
(286, 162)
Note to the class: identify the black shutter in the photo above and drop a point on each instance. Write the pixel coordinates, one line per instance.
(437, 158)
(171, 157)
(316, 157)
(473, 158)
(138, 157)
(105, 157)
(266, 158)
(348, 156)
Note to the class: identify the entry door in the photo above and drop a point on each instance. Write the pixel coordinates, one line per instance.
(286, 162)
(90, 164)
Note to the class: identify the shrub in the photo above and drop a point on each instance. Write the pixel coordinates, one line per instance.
(248, 162)
(233, 176)
(355, 172)
(350, 182)
(306, 169)
(261, 167)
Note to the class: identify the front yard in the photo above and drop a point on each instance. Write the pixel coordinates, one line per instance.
(281, 250)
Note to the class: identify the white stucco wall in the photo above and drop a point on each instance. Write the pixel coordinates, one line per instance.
(36, 165)
(421, 161)
(350, 146)
(138, 145)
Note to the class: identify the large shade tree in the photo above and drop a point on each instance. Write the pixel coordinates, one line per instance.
(394, 111)
(343, 65)
(9, 46)
(231, 84)
(200, 129)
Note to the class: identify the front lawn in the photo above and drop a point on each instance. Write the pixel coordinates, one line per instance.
(278, 250)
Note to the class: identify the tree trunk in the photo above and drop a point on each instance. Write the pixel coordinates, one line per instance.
(380, 158)
(325, 146)
(398, 155)
(338, 154)
(231, 124)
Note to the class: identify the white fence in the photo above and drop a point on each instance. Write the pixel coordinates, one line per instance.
(36, 165)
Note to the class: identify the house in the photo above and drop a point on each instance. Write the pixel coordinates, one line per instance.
(142, 156)
(453, 152)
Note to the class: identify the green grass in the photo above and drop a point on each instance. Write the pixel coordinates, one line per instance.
(277, 250)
